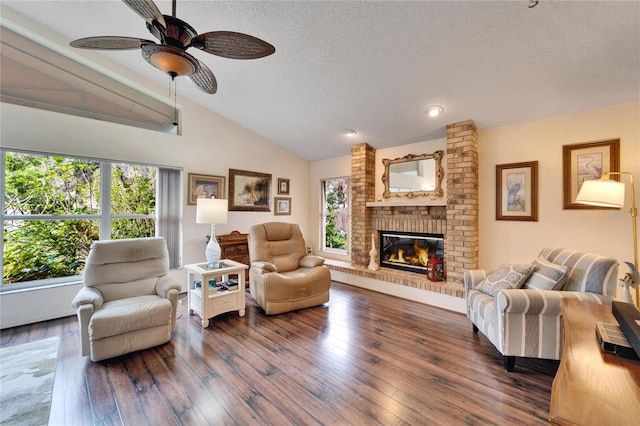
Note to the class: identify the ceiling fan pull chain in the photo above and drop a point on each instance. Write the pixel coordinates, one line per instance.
(175, 101)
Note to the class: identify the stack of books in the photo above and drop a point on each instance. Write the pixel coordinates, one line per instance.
(230, 285)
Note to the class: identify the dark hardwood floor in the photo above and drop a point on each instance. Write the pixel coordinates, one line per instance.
(364, 359)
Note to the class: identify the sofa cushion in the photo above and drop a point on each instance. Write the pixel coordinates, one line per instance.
(506, 276)
(130, 314)
(587, 271)
(547, 276)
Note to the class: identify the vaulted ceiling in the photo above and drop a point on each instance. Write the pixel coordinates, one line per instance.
(370, 66)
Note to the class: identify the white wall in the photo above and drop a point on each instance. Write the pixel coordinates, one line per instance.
(210, 144)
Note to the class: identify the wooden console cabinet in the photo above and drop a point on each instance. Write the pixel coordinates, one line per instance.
(592, 387)
(234, 246)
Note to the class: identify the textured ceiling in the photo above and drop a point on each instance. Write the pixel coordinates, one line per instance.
(376, 66)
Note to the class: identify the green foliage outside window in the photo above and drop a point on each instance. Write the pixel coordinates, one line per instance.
(133, 191)
(336, 193)
(48, 187)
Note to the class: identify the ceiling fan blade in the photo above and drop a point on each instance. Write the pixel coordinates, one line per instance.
(148, 10)
(229, 44)
(204, 79)
(110, 43)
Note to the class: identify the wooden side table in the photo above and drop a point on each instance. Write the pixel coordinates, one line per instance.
(592, 387)
(208, 303)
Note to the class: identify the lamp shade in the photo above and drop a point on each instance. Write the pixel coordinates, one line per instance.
(211, 210)
(602, 193)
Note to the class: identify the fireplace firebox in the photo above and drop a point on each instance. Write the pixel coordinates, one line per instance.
(409, 251)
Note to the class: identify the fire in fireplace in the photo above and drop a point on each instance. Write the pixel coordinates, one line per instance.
(409, 251)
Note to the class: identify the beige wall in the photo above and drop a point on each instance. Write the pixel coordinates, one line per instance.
(604, 232)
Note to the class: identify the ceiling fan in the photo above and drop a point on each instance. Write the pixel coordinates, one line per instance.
(176, 36)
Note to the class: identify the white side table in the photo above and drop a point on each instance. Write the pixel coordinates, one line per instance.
(208, 303)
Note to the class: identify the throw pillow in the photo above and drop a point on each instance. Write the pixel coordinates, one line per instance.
(506, 276)
(547, 276)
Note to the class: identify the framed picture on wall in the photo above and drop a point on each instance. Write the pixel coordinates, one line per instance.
(517, 191)
(249, 191)
(282, 206)
(204, 186)
(587, 161)
(283, 186)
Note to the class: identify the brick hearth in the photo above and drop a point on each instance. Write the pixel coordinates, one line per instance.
(458, 221)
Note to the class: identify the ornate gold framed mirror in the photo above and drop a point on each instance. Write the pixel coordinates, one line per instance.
(413, 176)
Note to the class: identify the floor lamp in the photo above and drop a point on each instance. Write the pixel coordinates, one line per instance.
(605, 192)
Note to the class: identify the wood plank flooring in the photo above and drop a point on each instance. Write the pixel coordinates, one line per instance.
(363, 359)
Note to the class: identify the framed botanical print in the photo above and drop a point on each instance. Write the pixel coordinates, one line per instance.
(517, 191)
(249, 191)
(587, 161)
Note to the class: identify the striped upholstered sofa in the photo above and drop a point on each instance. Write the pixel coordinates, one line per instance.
(526, 322)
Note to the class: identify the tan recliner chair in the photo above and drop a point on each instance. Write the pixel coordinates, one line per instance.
(282, 276)
(128, 301)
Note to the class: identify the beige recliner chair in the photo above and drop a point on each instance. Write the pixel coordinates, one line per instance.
(128, 301)
(282, 276)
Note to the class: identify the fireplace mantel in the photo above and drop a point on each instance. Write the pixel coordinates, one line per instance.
(455, 215)
(408, 202)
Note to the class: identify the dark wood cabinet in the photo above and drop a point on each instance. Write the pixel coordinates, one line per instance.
(234, 246)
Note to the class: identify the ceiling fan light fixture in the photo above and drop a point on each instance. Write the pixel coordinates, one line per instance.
(170, 60)
(176, 36)
(435, 110)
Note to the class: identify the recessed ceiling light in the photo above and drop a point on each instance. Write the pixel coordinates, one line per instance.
(434, 111)
(349, 132)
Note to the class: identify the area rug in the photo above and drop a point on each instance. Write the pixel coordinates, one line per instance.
(26, 382)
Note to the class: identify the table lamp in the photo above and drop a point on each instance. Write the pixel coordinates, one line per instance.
(212, 211)
(605, 192)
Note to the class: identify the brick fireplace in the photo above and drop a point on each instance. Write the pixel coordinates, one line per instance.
(457, 220)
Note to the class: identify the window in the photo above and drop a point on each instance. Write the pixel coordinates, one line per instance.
(336, 215)
(55, 206)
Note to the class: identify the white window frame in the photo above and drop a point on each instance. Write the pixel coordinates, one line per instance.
(324, 214)
(172, 229)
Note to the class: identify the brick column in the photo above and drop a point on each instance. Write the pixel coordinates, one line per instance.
(363, 172)
(461, 237)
